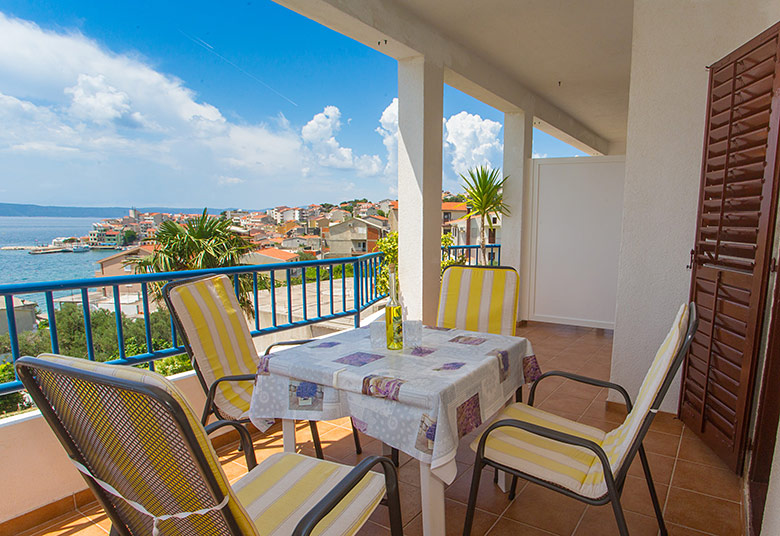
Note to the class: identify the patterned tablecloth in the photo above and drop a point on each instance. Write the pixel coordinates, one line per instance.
(420, 400)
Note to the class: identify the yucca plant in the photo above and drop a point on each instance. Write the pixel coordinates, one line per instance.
(201, 243)
(484, 196)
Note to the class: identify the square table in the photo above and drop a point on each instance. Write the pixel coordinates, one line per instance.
(420, 400)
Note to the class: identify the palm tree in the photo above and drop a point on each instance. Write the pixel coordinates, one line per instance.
(484, 195)
(202, 242)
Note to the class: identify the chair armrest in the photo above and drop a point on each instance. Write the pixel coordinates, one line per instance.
(286, 343)
(331, 500)
(581, 379)
(243, 433)
(213, 392)
(555, 435)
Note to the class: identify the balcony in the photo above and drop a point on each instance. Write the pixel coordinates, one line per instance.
(700, 496)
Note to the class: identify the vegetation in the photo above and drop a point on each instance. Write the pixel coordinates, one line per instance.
(459, 198)
(484, 197)
(389, 246)
(201, 243)
(129, 236)
(72, 342)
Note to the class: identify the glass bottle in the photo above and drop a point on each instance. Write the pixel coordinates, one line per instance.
(393, 320)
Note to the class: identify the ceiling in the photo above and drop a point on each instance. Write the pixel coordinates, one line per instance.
(575, 54)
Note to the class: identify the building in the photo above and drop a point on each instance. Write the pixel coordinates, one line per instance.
(118, 265)
(269, 256)
(25, 314)
(338, 215)
(353, 237)
(450, 212)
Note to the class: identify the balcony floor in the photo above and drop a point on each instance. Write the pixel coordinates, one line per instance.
(700, 495)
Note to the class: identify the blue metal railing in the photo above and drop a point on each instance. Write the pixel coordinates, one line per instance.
(472, 255)
(365, 271)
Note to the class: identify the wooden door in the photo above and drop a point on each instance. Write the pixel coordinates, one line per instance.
(731, 258)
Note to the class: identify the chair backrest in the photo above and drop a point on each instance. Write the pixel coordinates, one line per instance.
(622, 443)
(133, 430)
(216, 335)
(479, 298)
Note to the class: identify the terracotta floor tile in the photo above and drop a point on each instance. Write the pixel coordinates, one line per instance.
(667, 423)
(546, 509)
(508, 527)
(489, 498)
(606, 411)
(708, 480)
(606, 426)
(660, 443)
(455, 514)
(661, 467)
(73, 525)
(410, 506)
(372, 529)
(600, 521)
(702, 512)
(564, 404)
(678, 530)
(581, 390)
(543, 389)
(636, 496)
(693, 449)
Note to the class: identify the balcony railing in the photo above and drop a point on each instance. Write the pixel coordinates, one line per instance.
(471, 254)
(325, 279)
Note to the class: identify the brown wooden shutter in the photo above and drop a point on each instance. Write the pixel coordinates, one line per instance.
(737, 206)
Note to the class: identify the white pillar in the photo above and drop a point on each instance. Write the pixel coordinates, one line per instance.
(420, 94)
(515, 228)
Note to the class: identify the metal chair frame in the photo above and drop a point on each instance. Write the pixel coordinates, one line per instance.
(26, 367)
(211, 408)
(614, 482)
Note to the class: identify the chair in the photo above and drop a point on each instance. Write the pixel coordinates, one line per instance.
(207, 314)
(578, 460)
(483, 298)
(148, 460)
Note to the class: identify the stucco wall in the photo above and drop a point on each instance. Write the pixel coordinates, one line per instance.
(673, 42)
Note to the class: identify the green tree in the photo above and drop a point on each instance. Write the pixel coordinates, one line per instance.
(389, 246)
(484, 196)
(14, 401)
(129, 236)
(201, 243)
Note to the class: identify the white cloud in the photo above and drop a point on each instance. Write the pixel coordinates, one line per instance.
(319, 135)
(68, 99)
(388, 129)
(223, 180)
(539, 155)
(472, 141)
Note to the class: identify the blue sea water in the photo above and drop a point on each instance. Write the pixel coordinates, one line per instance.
(21, 267)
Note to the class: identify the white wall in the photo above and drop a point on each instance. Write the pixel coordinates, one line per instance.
(673, 42)
(576, 209)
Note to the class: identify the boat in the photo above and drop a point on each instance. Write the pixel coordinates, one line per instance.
(80, 248)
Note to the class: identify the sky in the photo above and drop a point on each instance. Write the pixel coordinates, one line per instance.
(245, 105)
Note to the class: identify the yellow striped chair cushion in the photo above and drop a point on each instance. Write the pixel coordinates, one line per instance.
(571, 467)
(219, 337)
(552, 461)
(618, 441)
(479, 299)
(281, 490)
(151, 378)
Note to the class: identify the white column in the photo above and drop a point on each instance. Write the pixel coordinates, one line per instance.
(515, 228)
(420, 90)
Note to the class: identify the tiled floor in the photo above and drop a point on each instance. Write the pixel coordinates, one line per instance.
(700, 496)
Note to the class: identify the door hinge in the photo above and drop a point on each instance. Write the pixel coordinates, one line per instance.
(690, 264)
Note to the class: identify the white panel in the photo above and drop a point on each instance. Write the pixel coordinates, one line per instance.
(577, 211)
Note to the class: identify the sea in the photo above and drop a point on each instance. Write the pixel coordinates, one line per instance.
(21, 267)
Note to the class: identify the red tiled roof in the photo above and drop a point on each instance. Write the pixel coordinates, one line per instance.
(278, 254)
(453, 205)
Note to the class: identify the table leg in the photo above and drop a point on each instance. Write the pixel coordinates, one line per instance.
(288, 435)
(432, 494)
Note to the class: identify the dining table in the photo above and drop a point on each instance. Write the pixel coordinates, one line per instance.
(420, 400)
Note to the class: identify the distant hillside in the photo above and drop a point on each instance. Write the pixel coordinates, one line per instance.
(13, 209)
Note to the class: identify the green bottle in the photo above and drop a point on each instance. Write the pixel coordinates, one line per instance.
(393, 321)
